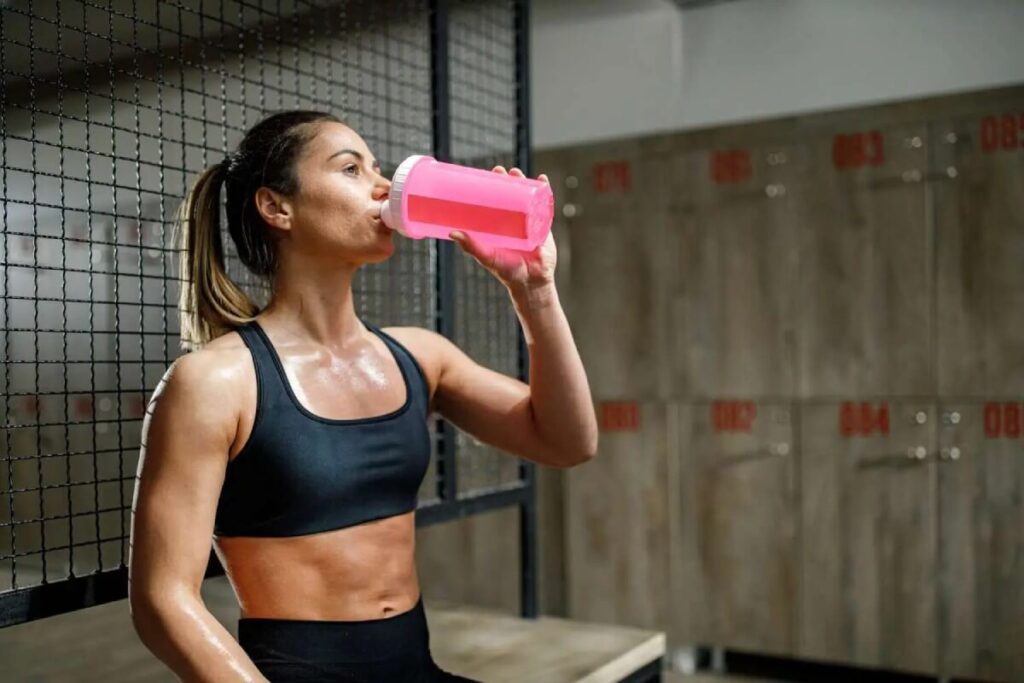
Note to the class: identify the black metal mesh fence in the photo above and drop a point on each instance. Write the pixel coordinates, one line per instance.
(107, 112)
(482, 58)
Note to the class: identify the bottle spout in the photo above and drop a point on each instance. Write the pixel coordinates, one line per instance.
(385, 214)
(391, 208)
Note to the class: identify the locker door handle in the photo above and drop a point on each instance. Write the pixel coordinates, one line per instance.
(775, 450)
(914, 455)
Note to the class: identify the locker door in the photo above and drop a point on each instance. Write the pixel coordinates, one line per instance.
(732, 252)
(979, 213)
(616, 520)
(981, 493)
(613, 289)
(868, 535)
(865, 313)
(734, 525)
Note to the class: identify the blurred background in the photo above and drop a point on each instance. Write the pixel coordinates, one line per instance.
(790, 237)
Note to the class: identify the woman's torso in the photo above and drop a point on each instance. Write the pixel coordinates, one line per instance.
(358, 572)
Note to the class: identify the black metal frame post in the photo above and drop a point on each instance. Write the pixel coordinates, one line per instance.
(447, 471)
(527, 470)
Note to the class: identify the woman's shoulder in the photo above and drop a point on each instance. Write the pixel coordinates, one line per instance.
(226, 351)
(420, 341)
(224, 362)
(426, 347)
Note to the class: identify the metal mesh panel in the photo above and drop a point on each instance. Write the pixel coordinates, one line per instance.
(107, 113)
(482, 63)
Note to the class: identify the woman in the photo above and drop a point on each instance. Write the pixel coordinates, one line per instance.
(296, 436)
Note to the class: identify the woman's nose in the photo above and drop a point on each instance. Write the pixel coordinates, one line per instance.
(382, 189)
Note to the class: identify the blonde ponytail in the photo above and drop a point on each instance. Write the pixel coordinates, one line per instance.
(210, 304)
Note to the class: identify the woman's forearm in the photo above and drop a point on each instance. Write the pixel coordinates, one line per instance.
(185, 636)
(559, 392)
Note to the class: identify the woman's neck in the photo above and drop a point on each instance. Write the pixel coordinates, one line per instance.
(316, 305)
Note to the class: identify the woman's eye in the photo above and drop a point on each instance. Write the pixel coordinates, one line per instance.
(353, 167)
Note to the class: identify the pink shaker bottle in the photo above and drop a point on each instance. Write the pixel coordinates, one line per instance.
(431, 198)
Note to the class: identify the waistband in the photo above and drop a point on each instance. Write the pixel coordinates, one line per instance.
(328, 641)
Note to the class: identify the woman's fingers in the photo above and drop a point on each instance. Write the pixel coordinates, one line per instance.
(466, 242)
(514, 171)
(460, 239)
(483, 254)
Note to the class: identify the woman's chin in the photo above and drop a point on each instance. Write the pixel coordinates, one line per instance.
(384, 247)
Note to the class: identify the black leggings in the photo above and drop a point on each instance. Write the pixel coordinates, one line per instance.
(393, 650)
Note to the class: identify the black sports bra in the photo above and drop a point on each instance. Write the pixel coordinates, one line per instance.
(300, 473)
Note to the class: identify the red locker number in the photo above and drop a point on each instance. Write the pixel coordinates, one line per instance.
(731, 166)
(863, 419)
(733, 416)
(854, 150)
(619, 416)
(612, 177)
(1003, 420)
(1004, 132)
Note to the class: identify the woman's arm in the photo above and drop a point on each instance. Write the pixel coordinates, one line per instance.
(186, 436)
(560, 397)
(549, 421)
(552, 420)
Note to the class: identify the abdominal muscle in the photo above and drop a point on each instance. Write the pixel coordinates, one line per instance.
(357, 573)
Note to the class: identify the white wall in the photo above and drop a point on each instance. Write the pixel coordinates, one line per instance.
(606, 69)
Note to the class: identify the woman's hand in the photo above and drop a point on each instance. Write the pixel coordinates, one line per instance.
(515, 269)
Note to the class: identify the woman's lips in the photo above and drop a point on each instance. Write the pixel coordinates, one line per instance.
(375, 214)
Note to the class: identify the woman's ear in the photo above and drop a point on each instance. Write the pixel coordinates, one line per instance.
(274, 208)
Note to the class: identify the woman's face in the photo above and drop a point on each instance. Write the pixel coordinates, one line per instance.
(336, 210)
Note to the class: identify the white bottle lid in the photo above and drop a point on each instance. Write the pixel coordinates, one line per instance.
(391, 208)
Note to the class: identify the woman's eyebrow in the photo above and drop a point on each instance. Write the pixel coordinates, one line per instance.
(354, 153)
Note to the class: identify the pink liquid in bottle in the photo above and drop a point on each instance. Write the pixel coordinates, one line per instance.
(431, 198)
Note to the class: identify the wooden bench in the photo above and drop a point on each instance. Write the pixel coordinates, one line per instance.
(496, 647)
